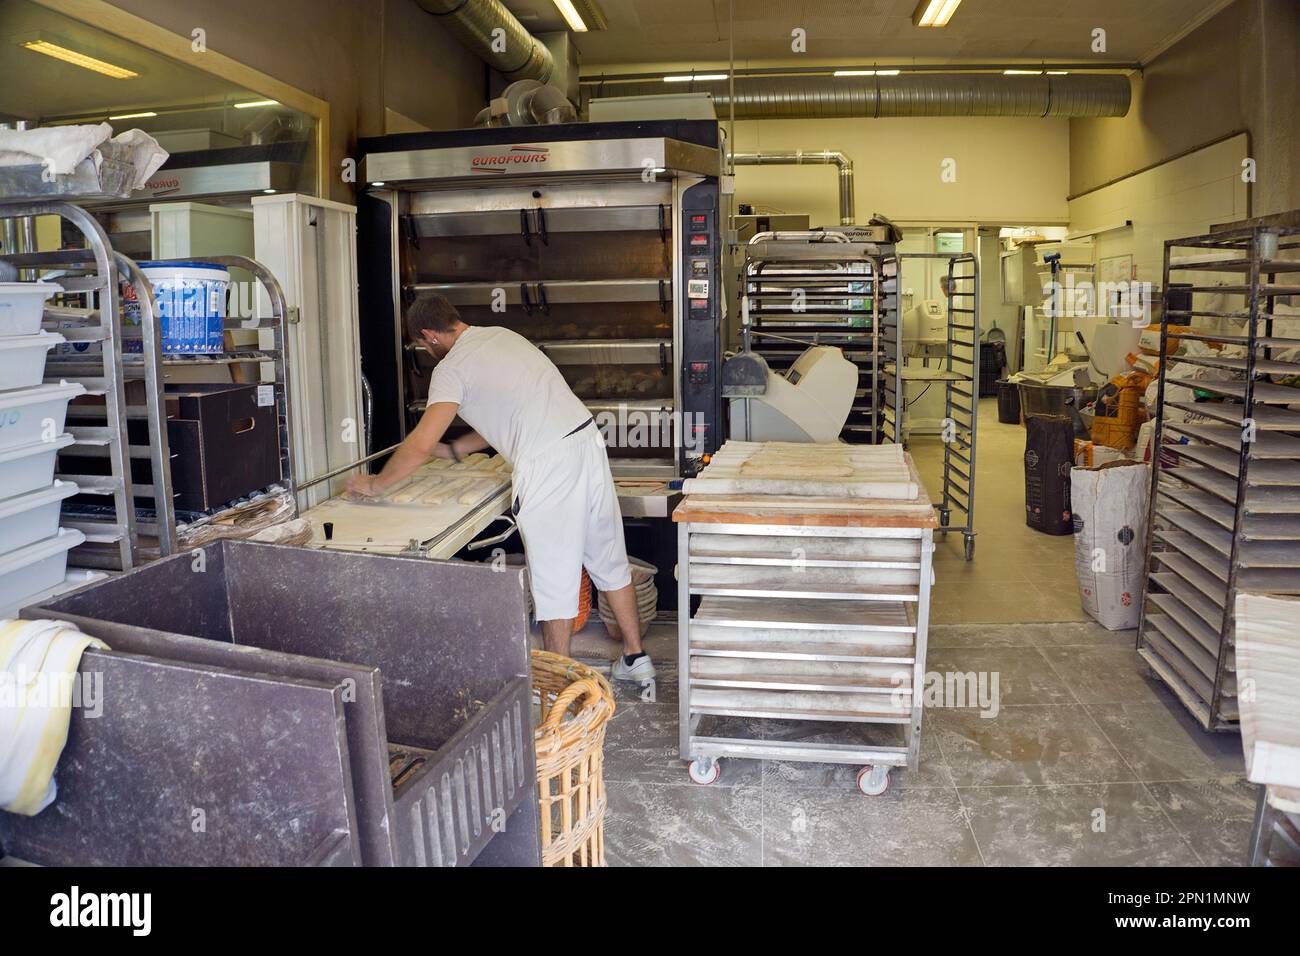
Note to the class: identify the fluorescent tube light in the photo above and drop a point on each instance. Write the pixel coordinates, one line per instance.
(252, 103)
(686, 78)
(1022, 72)
(934, 13)
(571, 16)
(79, 59)
(144, 115)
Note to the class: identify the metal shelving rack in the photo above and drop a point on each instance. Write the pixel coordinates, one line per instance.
(817, 287)
(121, 536)
(97, 272)
(958, 373)
(1275, 836)
(1225, 499)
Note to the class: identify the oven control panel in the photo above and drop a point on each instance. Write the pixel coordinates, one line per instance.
(701, 423)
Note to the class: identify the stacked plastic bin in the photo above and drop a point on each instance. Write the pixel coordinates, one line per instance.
(33, 547)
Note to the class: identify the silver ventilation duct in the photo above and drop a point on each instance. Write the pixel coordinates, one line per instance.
(919, 94)
(522, 56)
(800, 157)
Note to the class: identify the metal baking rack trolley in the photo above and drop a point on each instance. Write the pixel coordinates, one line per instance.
(812, 568)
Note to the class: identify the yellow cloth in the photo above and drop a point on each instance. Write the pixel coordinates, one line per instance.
(38, 670)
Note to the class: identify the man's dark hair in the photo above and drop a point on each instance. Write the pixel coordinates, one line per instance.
(430, 311)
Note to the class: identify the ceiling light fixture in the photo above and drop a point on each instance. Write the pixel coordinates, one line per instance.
(686, 78)
(571, 16)
(1022, 72)
(79, 59)
(934, 13)
(582, 15)
(866, 73)
(252, 103)
(1058, 72)
(144, 115)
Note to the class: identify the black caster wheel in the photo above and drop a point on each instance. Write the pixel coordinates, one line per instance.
(970, 546)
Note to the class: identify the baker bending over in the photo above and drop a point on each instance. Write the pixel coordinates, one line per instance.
(563, 493)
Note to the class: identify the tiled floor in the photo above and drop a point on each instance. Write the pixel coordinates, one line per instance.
(1018, 574)
(1087, 760)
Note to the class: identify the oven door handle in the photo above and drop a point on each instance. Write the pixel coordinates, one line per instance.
(541, 226)
(524, 229)
(524, 299)
(663, 358)
(541, 299)
(663, 224)
(663, 298)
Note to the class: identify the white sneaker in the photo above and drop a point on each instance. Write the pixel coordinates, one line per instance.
(641, 671)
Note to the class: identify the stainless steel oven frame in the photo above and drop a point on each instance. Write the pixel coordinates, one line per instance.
(484, 190)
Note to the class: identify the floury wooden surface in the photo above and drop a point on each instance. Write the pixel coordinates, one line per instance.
(1268, 663)
(813, 511)
(824, 470)
(440, 495)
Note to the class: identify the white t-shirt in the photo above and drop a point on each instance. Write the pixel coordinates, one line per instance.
(508, 392)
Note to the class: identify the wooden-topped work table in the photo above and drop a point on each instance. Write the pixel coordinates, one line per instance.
(811, 608)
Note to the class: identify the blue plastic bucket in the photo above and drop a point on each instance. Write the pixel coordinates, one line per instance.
(191, 299)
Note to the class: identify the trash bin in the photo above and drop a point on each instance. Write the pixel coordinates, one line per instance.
(574, 704)
(1008, 402)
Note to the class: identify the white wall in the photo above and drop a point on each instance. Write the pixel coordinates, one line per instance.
(1180, 198)
(1008, 170)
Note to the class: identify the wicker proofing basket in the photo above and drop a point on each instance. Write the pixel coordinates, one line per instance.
(575, 704)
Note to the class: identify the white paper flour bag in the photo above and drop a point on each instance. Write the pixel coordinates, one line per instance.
(1110, 534)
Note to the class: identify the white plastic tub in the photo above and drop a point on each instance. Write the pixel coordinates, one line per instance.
(32, 414)
(22, 358)
(25, 468)
(38, 567)
(32, 517)
(22, 304)
(191, 299)
(73, 579)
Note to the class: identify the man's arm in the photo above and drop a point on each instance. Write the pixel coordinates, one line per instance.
(466, 445)
(418, 447)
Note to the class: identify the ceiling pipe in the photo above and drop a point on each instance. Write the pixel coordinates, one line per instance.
(950, 94)
(1115, 66)
(521, 56)
(801, 157)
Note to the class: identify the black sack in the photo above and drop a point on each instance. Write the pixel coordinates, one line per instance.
(1049, 456)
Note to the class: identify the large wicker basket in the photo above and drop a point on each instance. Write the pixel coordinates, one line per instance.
(575, 704)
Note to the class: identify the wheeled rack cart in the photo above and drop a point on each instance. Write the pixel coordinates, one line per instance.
(810, 609)
(819, 288)
(957, 373)
(1225, 487)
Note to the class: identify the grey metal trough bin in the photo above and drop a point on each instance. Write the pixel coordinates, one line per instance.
(267, 705)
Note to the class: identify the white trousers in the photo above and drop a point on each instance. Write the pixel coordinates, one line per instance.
(568, 515)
